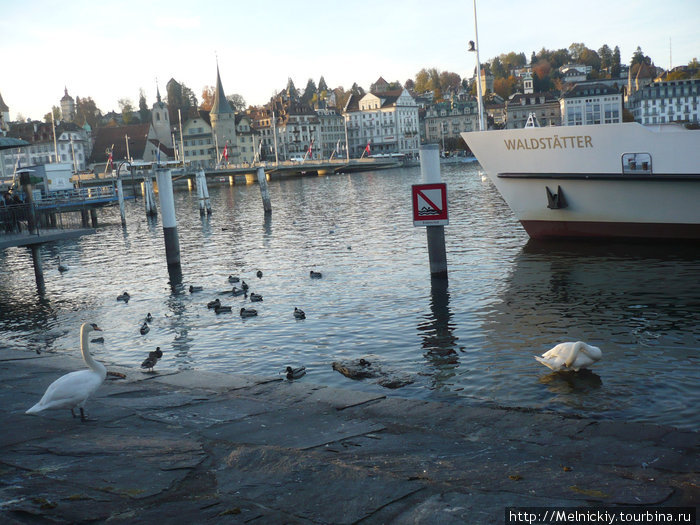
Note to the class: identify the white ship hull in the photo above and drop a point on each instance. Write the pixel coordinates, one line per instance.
(612, 180)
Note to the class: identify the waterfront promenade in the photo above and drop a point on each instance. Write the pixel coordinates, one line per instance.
(198, 447)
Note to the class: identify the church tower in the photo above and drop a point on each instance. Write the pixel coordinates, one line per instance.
(67, 107)
(223, 119)
(160, 118)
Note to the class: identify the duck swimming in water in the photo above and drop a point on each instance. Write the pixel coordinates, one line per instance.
(255, 297)
(566, 357)
(295, 373)
(149, 317)
(194, 289)
(248, 312)
(74, 389)
(144, 328)
(221, 309)
(315, 275)
(259, 274)
(214, 303)
(299, 314)
(237, 291)
(124, 297)
(152, 359)
(233, 279)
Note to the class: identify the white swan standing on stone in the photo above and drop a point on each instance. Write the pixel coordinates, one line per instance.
(73, 390)
(566, 357)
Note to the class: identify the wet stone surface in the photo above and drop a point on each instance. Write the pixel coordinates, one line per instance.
(185, 448)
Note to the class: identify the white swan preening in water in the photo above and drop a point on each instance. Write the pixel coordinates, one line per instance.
(73, 390)
(570, 356)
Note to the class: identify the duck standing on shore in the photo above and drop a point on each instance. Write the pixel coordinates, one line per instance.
(74, 389)
(152, 359)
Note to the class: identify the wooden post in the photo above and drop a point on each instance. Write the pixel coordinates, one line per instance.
(167, 209)
(430, 173)
(93, 217)
(120, 196)
(262, 182)
(38, 270)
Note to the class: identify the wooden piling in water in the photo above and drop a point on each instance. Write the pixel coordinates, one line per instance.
(264, 192)
(167, 209)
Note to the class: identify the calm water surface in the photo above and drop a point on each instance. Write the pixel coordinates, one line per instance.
(471, 341)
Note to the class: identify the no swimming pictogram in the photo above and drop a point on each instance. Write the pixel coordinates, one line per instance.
(429, 204)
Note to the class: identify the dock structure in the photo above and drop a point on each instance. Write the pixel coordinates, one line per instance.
(246, 173)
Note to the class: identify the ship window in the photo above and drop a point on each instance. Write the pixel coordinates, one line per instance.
(636, 163)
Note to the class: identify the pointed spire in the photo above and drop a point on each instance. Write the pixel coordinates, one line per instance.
(220, 104)
(157, 91)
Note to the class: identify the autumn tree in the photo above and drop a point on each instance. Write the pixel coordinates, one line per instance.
(207, 98)
(409, 84)
(422, 81)
(450, 81)
(127, 109)
(86, 111)
(505, 87)
(56, 111)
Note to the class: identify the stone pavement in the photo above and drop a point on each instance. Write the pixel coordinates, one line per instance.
(197, 447)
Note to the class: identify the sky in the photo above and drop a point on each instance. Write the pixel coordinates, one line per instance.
(111, 50)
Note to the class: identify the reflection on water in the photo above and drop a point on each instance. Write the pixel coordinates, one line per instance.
(469, 339)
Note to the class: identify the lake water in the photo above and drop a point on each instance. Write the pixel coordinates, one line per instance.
(471, 341)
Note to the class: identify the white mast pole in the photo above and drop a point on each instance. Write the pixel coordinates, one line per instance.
(274, 135)
(55, 147)
(479, 95)
(182, 139)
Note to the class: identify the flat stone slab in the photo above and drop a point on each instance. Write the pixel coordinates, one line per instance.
(303, 427)
(196, 379)
(132, 459)
(210, 413)
(333, 492)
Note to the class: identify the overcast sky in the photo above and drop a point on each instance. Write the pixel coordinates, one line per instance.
(110, 50)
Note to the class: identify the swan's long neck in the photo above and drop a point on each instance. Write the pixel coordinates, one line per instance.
(85, 350)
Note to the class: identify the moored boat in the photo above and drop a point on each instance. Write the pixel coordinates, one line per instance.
(597, 181)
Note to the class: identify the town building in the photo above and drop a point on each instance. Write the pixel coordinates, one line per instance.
(662, 102)
(386, 121)
(197, 140)
(446, 120)
(545, 107)
(590, 104)
(72, 145)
